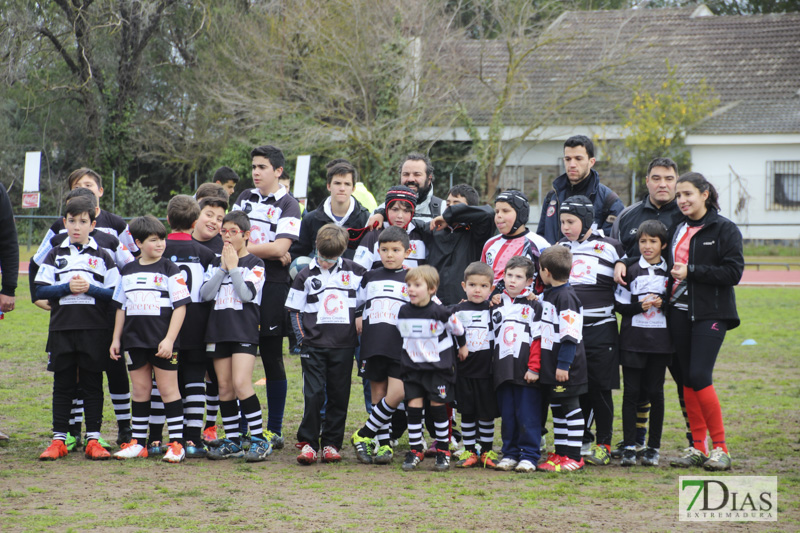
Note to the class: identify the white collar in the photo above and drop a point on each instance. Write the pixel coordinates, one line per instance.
(280, 193)
(644, 264)
(326, 208)
(91, 244)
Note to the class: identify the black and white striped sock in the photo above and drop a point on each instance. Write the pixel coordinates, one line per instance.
(140, 416)
(230, 419)
(414, 415)
(252, 412)
(381, 416)
(173, 412)
(441, 422)
(193, 410)
(468, 432)
(485, 434)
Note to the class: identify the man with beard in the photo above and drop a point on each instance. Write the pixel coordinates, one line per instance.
(416, 172)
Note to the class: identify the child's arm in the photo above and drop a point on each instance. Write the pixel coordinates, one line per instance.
(103, 294)
(116, 343)
(175, 323)
(479, 218)
(244, 290)
(566, 355)
(273, 251)
(534, 361)
(624, 303)
(52, 292)
(211, 285)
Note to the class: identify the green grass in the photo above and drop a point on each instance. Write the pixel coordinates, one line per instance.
(759, 388)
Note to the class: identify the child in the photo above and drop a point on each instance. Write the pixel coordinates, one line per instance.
(151, 299)
(275, 225)
(322, 307)
(428, 363)
(511, 215)
(383, 290)
(209, 222)
(514, 364)
(193, 259)
(234, 282)
(401, 202)
(592, 278)
(78, 279)
(644, 340)
(476, 399)
(563, 361)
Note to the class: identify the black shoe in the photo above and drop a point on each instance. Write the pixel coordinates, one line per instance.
(628, 457)
(442, 461)
(650, 457)
(124, 435)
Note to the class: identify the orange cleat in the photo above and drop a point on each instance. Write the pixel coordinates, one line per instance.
(56, 450)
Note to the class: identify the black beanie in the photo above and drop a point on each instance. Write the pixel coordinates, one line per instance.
(581, 207)
(518, 202)
(403, 194)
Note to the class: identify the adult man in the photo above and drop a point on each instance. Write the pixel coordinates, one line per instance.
(9, 258)
(416, 172)
(579, 179)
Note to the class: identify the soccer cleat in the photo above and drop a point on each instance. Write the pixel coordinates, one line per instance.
(104, 443)
(718, 461)
(244, 442)
(599, 455)
(154, 447)
(628, 457)
(259, 450)
(616, 451)
(73, 443)
(330, 455)
(569, 465)
(650, 457)
(413, 458)
(553, 460)
(490, 459)
(506, 464)
(175, 453)
(363, 447)
(586, 448)
(467, 459)
(210, 434)
(276, 439)
(442, 461)
(95, 452)
(384, 455)
(691, 457)
(525, 467)
(195, 451)
(130, 450)
(125, 434)
(308, 455)
(227, 449)
(56, 450)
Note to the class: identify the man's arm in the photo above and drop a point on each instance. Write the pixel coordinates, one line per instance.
(9, 253)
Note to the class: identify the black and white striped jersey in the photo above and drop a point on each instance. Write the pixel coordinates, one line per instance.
(517, 325)
(592, 275)
(383, 292)
(327, 301)
(107, 222)
(148, 294)
(643, 331)
(272, 217)
(193, 259)
(428, 337)
(562, 320)
(231, 319)
(367, 252)
(479, 333)
(93, 264)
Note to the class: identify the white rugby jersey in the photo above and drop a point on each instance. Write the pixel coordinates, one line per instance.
(644, 331)
(232, 320)
(517, 325)
(479, 334)
(592, 275)
(148, 294)
(383, 292)
(500, 248)
(367, 252)
(562, 321)
(428, 337)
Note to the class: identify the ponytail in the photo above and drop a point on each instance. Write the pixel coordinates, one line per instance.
(702, 185)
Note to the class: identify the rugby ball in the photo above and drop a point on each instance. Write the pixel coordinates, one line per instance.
(297, 265)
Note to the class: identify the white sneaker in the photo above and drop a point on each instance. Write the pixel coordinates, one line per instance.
(543, 446)
(130, 450)
(175, 453)
(586, 448)
(506, 464)
(525, 467)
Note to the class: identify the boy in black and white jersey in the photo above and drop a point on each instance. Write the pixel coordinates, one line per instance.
(275, 224)
(193, 259)
(151, 301)
(429, 363)
(234, 283)
(77, 278)
(322, 306)
(383, 291)
(592, 277)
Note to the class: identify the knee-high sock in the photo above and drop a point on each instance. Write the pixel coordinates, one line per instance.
(212, 403)
(697, 421)
(230, 419)
(252, 412)
(469, 431)
(139, 420)
(485, 434)
(173, 413)
(441, 422)
(414, 415)
(157, 417)
(380, 417)
(193, 408)
(712, 413)
(642, 412)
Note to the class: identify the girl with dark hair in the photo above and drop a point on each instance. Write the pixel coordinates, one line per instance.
(706, 261)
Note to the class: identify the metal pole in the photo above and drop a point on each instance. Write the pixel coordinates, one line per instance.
(195, 180)
(633, 187)
(539, 190)
(113, 191)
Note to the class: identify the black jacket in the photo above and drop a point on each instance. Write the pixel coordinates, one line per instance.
(626, 224)
(306, 244)
(607, 205)
(9, 250)
(716, 264)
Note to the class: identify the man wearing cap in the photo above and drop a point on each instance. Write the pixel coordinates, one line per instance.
(579, 179)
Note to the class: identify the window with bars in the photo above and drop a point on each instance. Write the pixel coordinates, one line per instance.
(513, 178)
(783, 185)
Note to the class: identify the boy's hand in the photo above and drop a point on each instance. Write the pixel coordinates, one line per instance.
(496, 299)
(679, 271)
(43, 304)
(438, 223)
(286, 259)
(230, 257)
(375, 222)
(532, 297)
(657, 302)
(531, 377)
(78, 285)
(562, 375)
(114, 350)
(463, 352)
(359, 324)
(647, 303)
(620, 270)
(165, 348)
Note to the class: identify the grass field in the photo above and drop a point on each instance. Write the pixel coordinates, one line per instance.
(759, 387)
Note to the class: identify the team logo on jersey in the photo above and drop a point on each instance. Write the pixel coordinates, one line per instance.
(413, 247)
(181, 280)
(509, 336)
(258, 272)
(345, 278)
(497, 317)
(433, 326)
(580, 268)
(526, 312)
(489, 258)
(599, 248)
(551, 210)
(559, 388)
(332, 304)
(293, 223)
(404, 291)
(247, 208)
(141, 280)
(158, 279)
(270, 212)
(388, 288)
(442, 391)
(93, 262)
(416, 329)
(61, 262)
(316, 284)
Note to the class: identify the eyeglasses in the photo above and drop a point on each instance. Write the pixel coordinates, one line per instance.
(231, 232)
(325, 259)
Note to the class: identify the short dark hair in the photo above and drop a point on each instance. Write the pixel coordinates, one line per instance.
(75, 175)
(652, 228)
(275, 155)
(468, 192)
(144, 226)
(702, 185)
(80, 192)
(211, 190)
(558, 261)
(341, 169)
(336, 161)
(416, 156)
(520, 261)
(182, 212)
(239, 218)
(581, 140)
(226, 174)
(80, 205)
(213, 201)
(394, 234)
(332, 240)
(665, 162)
(479, 268)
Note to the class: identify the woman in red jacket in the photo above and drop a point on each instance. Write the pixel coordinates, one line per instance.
(706, 262)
